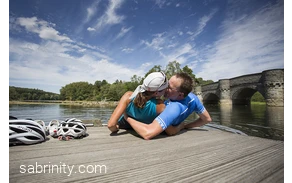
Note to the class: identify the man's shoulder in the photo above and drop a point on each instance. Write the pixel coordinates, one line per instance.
(176, 106)
(192, 97)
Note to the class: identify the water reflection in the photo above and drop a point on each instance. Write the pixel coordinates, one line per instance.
(225, 114)
(275, 120)
(254, 120)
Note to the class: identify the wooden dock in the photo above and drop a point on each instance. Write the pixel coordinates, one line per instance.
(192, 156)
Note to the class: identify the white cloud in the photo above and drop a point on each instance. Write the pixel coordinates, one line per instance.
(91, 11)
(110, 16)
(123, 31)
(91, 29)
(245, 44)
(248, 44)
(55, 64)
(180, 54)
(160, 3)
(42, 28)
(127, 50)
(202, 24)
(157, 42)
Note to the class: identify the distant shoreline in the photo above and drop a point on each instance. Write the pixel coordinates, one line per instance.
(76, 103)
(96, 122)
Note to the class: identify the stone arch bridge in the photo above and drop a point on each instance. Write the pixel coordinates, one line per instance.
(239, 90)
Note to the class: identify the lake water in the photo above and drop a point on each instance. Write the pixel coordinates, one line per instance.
(254, 120)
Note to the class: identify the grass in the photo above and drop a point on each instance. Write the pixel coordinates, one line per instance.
(257, 103)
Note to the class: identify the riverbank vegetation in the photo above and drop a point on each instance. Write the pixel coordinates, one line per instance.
(101, 91)
(73, 103)
(88, 103)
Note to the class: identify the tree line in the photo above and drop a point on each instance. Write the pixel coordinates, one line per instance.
(104, 91)
(100, 90)
(20, 94)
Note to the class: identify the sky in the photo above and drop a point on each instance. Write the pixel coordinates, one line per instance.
(53, 43)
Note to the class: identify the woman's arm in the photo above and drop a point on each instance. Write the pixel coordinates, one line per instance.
(160, 106)
(119, 110)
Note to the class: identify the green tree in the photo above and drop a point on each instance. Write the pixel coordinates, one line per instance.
(13, 94)
(135, 81)
(172, 68)
(257, 97)
(156, 68)
(189, 71)
(77, 91)
(116, 91)
(201, 82)
(100, 90)
(104, 92)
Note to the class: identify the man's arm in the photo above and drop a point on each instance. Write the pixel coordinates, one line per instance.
(147, 131)
(119, 110)
(203, 119)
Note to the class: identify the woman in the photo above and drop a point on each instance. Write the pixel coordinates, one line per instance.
(142, 104)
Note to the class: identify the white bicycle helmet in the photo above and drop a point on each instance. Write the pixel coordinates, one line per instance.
(25, 131)
(72, 127)
(42, 123)
(53, 128)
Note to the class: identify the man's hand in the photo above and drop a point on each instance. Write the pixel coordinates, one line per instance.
(181, 126)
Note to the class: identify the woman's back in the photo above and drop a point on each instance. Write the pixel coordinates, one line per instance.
(146, 114)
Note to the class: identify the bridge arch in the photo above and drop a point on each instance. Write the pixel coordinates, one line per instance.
(211, 98)
(243, 96)
(239, 90)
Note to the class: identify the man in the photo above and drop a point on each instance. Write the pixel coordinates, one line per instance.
(180, 104)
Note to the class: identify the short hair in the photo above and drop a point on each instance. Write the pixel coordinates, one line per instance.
(187, 83)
